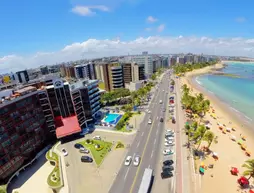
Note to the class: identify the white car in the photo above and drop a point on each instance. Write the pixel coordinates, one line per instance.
(168, 152)
(65, 153)
(97, 137)
(149, 112)
(136, 161)
(169, 143)
(127, 161)
(169, 131)
(160, 101)
(150, 121)
(169, 139)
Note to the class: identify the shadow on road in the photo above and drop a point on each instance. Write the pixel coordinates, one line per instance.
(24, 175)
(151, 185)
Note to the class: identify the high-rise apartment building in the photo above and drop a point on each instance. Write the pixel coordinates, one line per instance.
(146, 61)
(85, 71)
(22, 76)
(67, 71)
(115, 75)
(189, 58)
(86, 99)
(127, 72)
(23, 130)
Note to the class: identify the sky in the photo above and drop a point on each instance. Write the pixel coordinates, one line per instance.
(35, 33)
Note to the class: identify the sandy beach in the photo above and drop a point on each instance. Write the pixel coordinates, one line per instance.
(219, 179)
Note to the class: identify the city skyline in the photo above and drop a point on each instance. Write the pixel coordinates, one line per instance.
(76, 29)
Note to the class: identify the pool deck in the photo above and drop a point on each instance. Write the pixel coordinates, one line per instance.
(103, 120)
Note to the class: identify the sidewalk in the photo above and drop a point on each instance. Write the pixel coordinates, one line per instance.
(65, 188)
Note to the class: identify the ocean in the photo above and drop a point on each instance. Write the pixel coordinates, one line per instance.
(238, 93)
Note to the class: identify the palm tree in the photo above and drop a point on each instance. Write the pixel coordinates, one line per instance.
(199, 134)
(200, 97)
(249, 164)
(209, 137)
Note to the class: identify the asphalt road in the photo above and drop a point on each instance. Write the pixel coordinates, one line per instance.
(146, 144)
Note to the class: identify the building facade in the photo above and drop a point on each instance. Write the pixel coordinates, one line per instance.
(85, 71)
(23, 131)
(86, 99)
(115, 75)
(22, 76)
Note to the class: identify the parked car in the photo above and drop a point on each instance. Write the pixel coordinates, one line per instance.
(78, 146)
(65, 153)
(128, 160)
(86, 159)
(173, 120)
(166, 174)
(168, 152)
(136, 161)
(97, 137)
(160, 101)
(169, 143)
(168, 162)
(161, 119)
(150, 121)
(168, 168)
(84, 151)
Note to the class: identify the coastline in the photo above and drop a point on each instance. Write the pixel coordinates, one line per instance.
(229, 151)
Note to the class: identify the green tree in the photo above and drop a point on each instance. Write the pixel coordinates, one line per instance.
(107, 97)
(209, 137)
(249, 165)
(199, 134)
(153, 77)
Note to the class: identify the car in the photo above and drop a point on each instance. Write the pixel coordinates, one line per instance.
(168, 162)
(163, 110)
(161, 119)
(169, 131)
(97, 137)
(163, 90)
(168, 168)
(78, 145)
(84, 151)
(82, 148)
(169, 143)
(168, 152)
(167, 139)
(128, 160)
(65, 153)
(173, 120)
(166, 174)
(160, 101)
(136, 161)
(150, 121)
(149, 112)
(86, 159)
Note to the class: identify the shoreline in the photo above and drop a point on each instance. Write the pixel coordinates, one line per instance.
(228, 150)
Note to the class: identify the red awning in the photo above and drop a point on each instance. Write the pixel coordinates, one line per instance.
(67, 126)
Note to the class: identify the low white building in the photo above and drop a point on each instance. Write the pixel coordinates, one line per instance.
(134, 86)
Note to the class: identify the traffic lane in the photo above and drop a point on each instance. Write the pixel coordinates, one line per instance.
(127, 173)
(143, 158)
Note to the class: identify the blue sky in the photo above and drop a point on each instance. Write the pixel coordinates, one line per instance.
(29, 26)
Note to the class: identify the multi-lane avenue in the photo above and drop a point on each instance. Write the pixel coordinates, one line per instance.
(146, 144)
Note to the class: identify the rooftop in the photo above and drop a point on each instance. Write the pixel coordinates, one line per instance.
(82, 83)
(67, 126)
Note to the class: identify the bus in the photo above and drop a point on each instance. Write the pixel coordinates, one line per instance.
(146, 181)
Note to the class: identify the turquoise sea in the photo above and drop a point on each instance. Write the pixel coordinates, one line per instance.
(238, 93)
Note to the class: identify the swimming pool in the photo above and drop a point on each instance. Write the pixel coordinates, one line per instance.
(112, 118)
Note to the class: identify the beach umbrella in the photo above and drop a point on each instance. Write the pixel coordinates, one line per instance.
(233, 137)
(243, 137)
(248, 153)
(228, 129)
(202, 164)
(251, 191)
(234, 171)
(240, 142)
(243, 146)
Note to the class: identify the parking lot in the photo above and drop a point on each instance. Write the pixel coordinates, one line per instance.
(88, 177)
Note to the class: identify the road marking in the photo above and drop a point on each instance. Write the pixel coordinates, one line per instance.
(157, 131)
(154, 141)
(157, 118)
(143, 153)
(126, 173)
(138, 143)
(152, 154)
(142, 133)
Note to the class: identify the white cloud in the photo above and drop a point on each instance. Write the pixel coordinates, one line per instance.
(88, 10)
(151, 19)
(161, 28)
(93, 48)
(240, 19)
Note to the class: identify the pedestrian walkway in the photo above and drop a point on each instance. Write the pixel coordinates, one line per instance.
(65, 188)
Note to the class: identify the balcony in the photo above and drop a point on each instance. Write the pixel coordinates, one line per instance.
(118, 83)
(93, 91)
(117, 78)
(91, 97)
